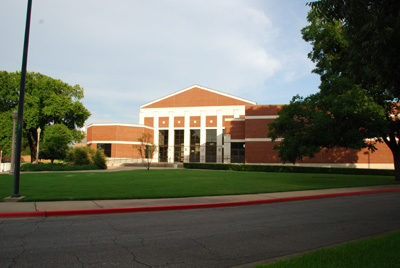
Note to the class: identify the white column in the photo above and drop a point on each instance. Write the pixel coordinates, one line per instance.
(141, 118)
(156, 136)
(219, 137)
(171, 137)
(202, 136)
(227, 148)
(186, 141)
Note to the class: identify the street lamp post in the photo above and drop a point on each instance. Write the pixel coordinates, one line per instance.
(37, 149)
(14, 116)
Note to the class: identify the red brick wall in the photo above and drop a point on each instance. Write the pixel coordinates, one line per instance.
(235, 128)
(179, 121)
(149, 121)
(196, 97)
(194, 119)
(211, 121)
(257, 128)
(253, 110)
(119, 133)
(163, 122)
(262, 152)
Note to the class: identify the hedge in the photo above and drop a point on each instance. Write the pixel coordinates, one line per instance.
(289, 169)
(56, 167)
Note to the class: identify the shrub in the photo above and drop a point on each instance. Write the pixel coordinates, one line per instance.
(290, 169)
(99, 159)
(56, 167)
(81, 156)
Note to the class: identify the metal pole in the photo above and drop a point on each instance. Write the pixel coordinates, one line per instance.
(14, 116)
(21, 102)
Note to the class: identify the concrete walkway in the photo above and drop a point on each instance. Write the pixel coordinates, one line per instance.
(115, 206)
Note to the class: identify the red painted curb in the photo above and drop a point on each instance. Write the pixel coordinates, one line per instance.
(182, 207)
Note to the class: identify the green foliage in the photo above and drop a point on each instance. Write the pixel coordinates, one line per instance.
(173, 183)
(81, 156)
(48, 102)
(146, 149)
(55, 142)
(56, 167)
(288, 169)
(99, 159)
(368, 253)
(357, 105)
(86, 156)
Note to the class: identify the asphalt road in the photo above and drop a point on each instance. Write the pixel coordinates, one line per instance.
(222, 237)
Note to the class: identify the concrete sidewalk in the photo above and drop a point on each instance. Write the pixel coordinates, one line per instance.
(114, 206)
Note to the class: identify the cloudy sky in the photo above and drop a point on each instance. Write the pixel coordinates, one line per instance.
(125, 53)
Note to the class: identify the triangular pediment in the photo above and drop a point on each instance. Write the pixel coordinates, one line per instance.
(196, 96)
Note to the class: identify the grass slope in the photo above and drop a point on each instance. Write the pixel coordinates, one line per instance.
(382, 252)
(172, 183)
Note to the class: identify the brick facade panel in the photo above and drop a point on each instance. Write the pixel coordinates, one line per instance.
(257, 128)
(254, 110)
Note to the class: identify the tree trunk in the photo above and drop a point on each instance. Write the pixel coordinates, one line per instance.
(396, 158)
(32, 145)
(394, 148)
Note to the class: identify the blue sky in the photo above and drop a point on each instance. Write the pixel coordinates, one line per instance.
(126, 53)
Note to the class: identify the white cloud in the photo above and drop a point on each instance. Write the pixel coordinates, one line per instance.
(125, 53)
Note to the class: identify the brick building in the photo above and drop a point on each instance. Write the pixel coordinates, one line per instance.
(198, 124)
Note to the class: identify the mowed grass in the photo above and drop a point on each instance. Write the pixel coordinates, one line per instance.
(172, 183)
(382, 252)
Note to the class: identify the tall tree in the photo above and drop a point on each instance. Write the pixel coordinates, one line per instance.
(48, 101)
(55, 142)
(355, 51)
(146, 149)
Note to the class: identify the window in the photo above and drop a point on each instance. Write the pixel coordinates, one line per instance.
(194, 145)
(211, 145)
(237, 152)
(106, 148)
(163, 146)
(179, 146)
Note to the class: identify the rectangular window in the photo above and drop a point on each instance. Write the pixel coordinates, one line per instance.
(163, 146)
(194, 145)
(106, 148)
(211, 145)
(237, 152)
(179, 145)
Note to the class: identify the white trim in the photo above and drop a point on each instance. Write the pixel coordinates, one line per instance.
(262, 117)
(234, 119)
(114, 142)
(118, 124)
(262, 139)
(201, 87)
(238, 140)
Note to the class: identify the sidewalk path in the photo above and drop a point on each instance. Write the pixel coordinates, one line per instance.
(63, 208)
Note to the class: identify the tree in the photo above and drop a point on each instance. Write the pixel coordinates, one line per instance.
(146, 149)
(55, 142)
(355, 51)
(48, 102)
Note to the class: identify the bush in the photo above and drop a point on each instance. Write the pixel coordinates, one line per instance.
(55, 167)
(81, 156)
(86, 156)
(290, 169)
(99, 159)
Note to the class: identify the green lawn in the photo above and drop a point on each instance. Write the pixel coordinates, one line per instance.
(382, 252)
(172, 183)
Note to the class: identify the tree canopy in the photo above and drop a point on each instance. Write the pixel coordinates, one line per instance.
(48, 102)
(355, 50)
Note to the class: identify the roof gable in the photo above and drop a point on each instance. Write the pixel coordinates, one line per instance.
(197, 96)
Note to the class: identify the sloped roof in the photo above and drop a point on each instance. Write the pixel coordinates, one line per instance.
(197, 96)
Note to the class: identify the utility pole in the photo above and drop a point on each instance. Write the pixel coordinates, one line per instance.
(17, 161)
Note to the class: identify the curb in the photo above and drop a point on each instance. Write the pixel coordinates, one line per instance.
(53, 213)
